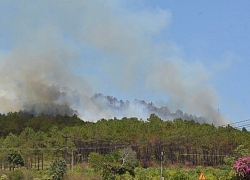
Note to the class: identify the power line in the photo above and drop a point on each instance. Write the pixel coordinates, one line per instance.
(239, 124)
(243, 125)
(63, 148)
(210, 155)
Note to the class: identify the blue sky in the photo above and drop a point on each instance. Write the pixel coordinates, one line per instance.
(189, 55)
(217, 34)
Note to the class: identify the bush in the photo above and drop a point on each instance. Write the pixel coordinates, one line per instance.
(16, 175)
(115, 163)
(58, 169)
(242, 168)
(3, 177)
(180, 174)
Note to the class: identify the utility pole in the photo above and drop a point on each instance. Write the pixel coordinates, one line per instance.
(72, 159)
(161, 165)
(66, 148)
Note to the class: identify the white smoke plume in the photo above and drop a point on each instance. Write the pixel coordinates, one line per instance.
(62, 52)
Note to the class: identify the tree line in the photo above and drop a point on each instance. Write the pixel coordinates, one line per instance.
(39, 139)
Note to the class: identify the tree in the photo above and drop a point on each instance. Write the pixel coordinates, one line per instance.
(15, 159)
(242, 151)
(129, 160)
(58, 168)
(96, 161)
(115, 163)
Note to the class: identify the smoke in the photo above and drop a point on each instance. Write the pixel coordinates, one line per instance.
(188, 88)
(56, 55)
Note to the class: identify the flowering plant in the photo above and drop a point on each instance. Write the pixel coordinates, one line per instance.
(242, 168)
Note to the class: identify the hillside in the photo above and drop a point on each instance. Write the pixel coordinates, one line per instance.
(187, 142)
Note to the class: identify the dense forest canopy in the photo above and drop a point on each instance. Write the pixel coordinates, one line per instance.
(182, 141)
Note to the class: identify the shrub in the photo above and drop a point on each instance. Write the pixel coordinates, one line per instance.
(58, 169)
(3, 177)
(180, 174)
(115, 163)
(242, 168)
(16, 175)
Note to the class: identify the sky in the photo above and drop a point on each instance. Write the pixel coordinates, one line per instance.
(189, 55)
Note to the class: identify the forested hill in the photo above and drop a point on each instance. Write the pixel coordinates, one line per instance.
(183, 141)
(16, 122)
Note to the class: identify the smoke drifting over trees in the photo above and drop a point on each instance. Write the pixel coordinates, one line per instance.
(59, 54)
(101, 106)
(140, 108)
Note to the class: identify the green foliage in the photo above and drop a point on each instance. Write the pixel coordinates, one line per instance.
(179, 176)
(16, 122)
(176, 174)
(15, 159)
(58, 169)
(16, 175)
(128, 160)
(242, 151)
(229, 160)
(81, 172)
(112, 165)
(115, 163)
(3, 177)
(96, 161)
(154, 119)
(40, 139)
(147, 174)
(152, 173)
(198, 169)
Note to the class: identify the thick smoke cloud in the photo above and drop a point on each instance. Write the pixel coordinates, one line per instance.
(58, 54)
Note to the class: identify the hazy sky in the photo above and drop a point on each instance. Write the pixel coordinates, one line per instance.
(190, 55)
(217, 34)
